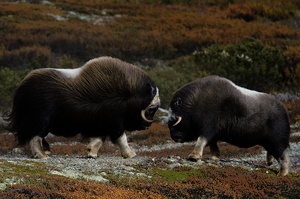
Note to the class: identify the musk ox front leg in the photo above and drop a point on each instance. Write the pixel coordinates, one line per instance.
(198, 150)
(94, 146)
(36, 146)
(46, 147)
(122, 143)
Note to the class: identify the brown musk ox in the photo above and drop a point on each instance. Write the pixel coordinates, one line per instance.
(102, 99)
(214, 109)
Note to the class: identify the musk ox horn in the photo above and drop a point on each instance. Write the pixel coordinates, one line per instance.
(144, 117)
(178, 121)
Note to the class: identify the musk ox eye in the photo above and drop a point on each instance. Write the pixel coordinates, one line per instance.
(177, 102)
(153, 91)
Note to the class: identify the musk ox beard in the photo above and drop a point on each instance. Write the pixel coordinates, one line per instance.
(102, 99)
(214, 109)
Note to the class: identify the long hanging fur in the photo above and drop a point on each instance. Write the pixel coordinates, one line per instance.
(103, 97)
(214, 109)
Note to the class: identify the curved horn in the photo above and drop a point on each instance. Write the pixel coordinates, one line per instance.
(144, 117)
(178, 121)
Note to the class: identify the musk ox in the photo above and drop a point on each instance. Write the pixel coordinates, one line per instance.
(214, 109)
(104, 98)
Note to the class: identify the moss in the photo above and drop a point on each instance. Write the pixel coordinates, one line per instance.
(172, 175)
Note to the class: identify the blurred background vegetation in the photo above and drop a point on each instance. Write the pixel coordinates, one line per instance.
(255, 43)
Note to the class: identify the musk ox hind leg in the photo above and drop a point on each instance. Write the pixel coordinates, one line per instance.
(282, 158)
(198, 150)
(122, 143)
(46, 147)
(36, 146)
(284, 162)
(214, 150)
(94, 146)
(270, 158)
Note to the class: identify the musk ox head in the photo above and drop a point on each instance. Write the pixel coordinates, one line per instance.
(192, 104)
(180, 122)
(182, 114)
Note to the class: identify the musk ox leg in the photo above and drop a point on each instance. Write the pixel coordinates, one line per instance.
(214, 150)
(284, 162)
(270, 158)
(198, 150)
(94, 146)
(36, 146)
(122, 143)
(46, 147)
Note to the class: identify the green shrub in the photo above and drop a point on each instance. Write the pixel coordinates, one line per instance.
(249, 63)
(9, 81)
(176, 74)
(33, 57)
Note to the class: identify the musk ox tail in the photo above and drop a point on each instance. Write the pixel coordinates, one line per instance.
(7, 122)
(3, 122)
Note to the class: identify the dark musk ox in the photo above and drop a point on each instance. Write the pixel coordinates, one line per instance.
(104, 98)
(214, 109)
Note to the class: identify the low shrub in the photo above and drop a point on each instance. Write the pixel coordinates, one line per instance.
(250, 63)
(9, 81)
(292, 72)
(27, 57)
(175, 74)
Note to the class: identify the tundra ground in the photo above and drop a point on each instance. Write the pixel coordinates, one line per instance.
(160, 170)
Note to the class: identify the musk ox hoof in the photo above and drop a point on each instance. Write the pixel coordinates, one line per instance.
(215, 158)
(270, 160)
(282, 173)
(40, 156)
(192, 159)
(130, 154)
(93, 156)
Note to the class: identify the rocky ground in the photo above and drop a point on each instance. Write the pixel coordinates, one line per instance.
(80, 167)
(160, 170)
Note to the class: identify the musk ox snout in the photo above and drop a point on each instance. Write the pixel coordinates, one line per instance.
(177, 136)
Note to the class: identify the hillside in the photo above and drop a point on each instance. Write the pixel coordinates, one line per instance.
(254, 43)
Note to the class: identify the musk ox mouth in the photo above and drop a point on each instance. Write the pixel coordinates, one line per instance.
(177, 137)
(179, 140)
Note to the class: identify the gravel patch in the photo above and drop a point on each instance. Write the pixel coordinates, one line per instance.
(105, 166)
